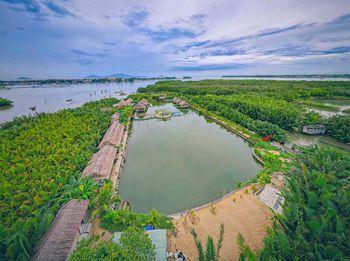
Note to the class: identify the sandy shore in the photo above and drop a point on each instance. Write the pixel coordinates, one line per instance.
(240, 213)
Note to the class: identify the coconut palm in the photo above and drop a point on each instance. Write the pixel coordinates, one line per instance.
(211, 253)
(105, 200)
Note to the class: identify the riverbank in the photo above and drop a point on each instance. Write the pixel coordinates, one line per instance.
(244, 136)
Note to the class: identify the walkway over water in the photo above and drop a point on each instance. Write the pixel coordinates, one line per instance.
(152, 116)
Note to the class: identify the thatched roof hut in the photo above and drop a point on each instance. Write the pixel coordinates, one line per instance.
(105, 109)
(140, 107)
(123, 103)
(64, 232)
(162, 97)
(176, 100)
(101, 164)
(113, 135)
(115, 117)
(145, 102)
(184, 104)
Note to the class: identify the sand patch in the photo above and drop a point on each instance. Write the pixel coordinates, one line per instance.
(240, 213)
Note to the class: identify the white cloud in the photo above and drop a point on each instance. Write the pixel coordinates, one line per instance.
(171, 34)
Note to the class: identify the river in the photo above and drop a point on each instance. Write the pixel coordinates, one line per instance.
(51, 99)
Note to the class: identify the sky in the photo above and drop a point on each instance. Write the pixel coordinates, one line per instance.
(75, 38)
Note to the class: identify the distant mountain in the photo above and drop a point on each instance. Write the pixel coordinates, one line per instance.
(115, 75)
(23, 78)
(122, 75)
(92, 76)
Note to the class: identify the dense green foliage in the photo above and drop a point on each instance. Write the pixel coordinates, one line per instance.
(134, 244)
(105, 200)
(119, 220)
(40, 160)
(263, 128)
(315, 224)
(5, 102)
(289, 90)
(259, 107)
(40, 154)
(339, 127)
(266, 107)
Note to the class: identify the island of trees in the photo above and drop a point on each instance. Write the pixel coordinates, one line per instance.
(5, 102)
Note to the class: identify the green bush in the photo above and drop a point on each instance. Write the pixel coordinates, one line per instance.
(119, 220)
(39, 156)
(5, 102)
(339, 127)
(315, 223)
(134, 244)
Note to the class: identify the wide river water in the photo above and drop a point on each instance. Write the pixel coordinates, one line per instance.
(183, 162)
(51, 99)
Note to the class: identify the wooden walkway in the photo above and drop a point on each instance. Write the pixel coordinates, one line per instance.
(153, 116)
(116, 171)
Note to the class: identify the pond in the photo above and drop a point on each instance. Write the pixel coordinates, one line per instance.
(321, 140)
(342, 104)
(51, 98)
(182, 163)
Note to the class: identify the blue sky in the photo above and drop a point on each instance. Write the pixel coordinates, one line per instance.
(75, 38)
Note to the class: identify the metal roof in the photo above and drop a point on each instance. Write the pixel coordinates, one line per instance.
(158, 238)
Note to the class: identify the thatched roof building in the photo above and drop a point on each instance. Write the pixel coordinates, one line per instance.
(61, 238)
(184, 104)
(176, 100)
(105, 109)
(140, 107)
(144, 102)
(162, 97)
(101, 164)
(115, 117)
(113, 135)
(123, 103)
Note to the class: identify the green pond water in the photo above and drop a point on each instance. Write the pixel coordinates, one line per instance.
(182, 163)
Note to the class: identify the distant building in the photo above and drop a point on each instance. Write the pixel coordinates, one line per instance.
(176, 100)
(145, 102)
(184, 104)
(115, 117)
(315, 129)
(105, 109)
(68, 227)
(140, 107)
(162, 97)
(123, 103)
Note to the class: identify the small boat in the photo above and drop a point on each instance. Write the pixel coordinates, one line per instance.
(69, 100)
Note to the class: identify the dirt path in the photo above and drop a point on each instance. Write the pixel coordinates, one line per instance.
(246, 215)
(96, 230)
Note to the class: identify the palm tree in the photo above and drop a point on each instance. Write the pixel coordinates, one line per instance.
(84, 188)
(246, 254)
(211, 253)
(104, 200)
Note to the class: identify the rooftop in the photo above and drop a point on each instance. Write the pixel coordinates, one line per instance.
(113, 136)
(60, 239)
(101, 164)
